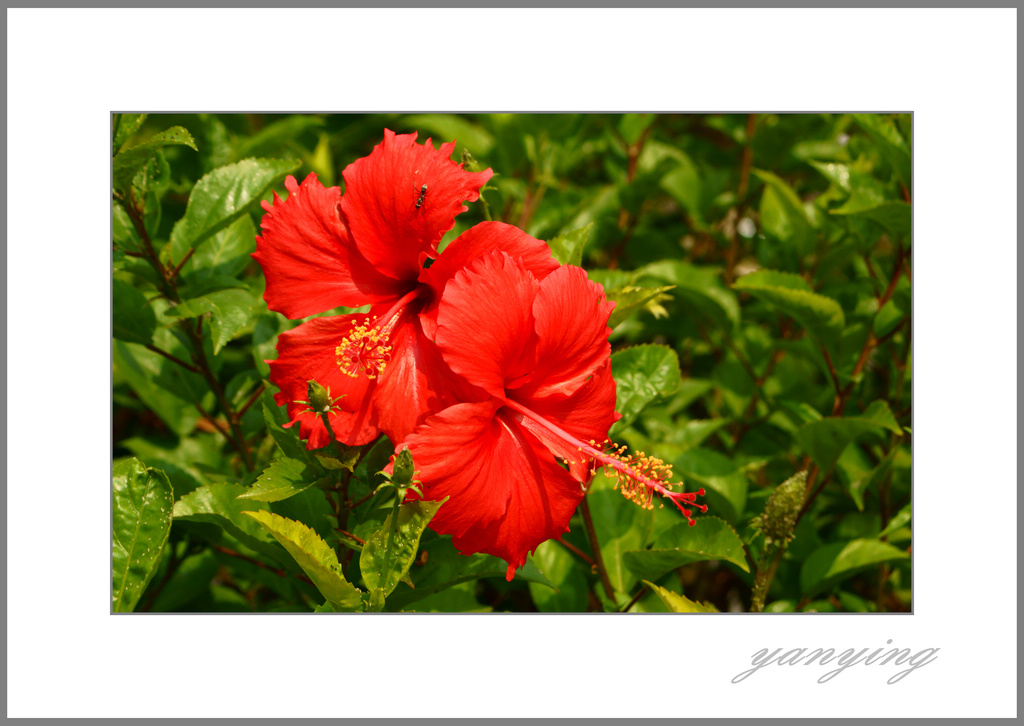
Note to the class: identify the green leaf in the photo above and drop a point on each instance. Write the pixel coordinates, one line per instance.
(722, 477)
(642, 374)
(699, 289)
(448, 127)
(219, 504)
(282, 479)
(567, 247)
(633, 125)
(445, 567)
(141, 524)
(709, 539)
(825, 440)
(226, 254)
(628, 299)
(129, 161)
(783, 214)
(315, 557)
(221, 197)
(821, 315)
(680, 603)
(151, 377)
(894, 216)
(621, 526)
(835, 562)
(230, 312)
(872, 480)
(382, 567)
(684, 185)
(563, 568)
(902, 519)
(134, 319)
(889, 142)
(125, 125)
(275, 417)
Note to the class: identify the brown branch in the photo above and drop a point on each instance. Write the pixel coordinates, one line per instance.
(748, 157)
(174, 359)
(252, 399)
(576, 551)
(636, 598)
(358, 540)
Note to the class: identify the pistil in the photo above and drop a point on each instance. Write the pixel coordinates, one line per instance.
(365, 348)
(638, 476)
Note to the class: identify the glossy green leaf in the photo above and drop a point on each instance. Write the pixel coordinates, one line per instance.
(821, 315)
(709, 539)
(219, 504)
(680, 603)
(567, 571)
(567, 247)
(141, 524)
(684, 185)
(134, 319)
(633, 125)
(628, 299)
(448, 127)
(315, 557)
(783, 214)
(221, 197)
(889, 142)
(126, 124)
(621, 527)
(129, 161)
(230, 312)
(642, 374)
(825, 440)
(155, 380)
(894, 216)
(835, 562)
(282, 479)
(275, 417)
(445, 567)
(226, 253)
(699, 290)
(900, 520)
(383, 565)
(722, 478)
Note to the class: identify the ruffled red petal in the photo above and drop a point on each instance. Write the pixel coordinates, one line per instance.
(485, 323)
(470, 246)
(416, 383)
(507, 494)
(586, 415)
(308, 258)
(308, 352)
(571, 322)
(392, 221)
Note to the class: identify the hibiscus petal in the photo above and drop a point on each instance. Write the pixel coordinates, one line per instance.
(381, 195)
(473, 244)
(485, 324)
(571, 314)
(416, 383)
(506, 493)
(308, 258)
(585, 415)
(308, 352)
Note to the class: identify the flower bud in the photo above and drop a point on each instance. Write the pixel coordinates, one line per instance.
(782, 509)
(319, 397)
(403, 471)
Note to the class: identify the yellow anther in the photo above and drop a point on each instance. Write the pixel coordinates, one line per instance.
(364, 349)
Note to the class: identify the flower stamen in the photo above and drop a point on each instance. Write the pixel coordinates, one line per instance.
(364, 349)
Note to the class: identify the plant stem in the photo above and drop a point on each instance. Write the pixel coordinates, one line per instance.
(595, 546)
(765, 573)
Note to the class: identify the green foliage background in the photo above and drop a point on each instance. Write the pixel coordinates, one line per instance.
(761, 265)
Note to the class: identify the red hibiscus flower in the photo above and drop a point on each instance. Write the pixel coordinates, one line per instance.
(320, 250)
(539, 348)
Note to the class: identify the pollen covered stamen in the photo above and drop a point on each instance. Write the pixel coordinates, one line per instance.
(364, 350)
(638, 476)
